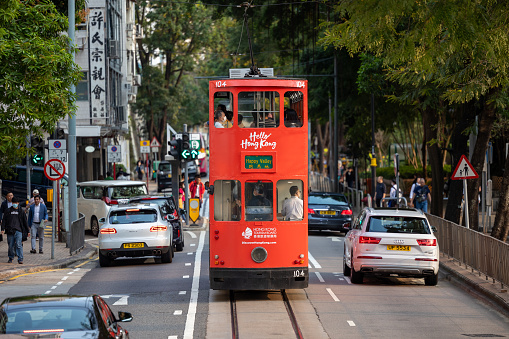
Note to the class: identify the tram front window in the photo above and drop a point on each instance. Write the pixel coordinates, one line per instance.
(294, 109)
(290, 206)
(259, 109)
(227, 200)
(259, 201)
(223, 102)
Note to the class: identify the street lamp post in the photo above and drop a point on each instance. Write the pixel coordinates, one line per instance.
(373, 154)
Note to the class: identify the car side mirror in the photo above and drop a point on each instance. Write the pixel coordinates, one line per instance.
(125, 316)
(211, 189)
(102, 220)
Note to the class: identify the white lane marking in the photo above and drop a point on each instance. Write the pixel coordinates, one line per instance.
(347, 279)
(193, 245)
(341, 278)
(313, 261)
(191, 313)
(71, 272)
(190, 253)
(332, 294)
(185, 277)
(172, 337)
(351, 323)
(319, 276)
(121, 301)
(77, 269)
(335, 238)
(182, 292)
(191, 234)
(59, 283)
(53, 287)
(47, 292)
(188, 264)
(336, 273)
(64, 278)
(177, 312)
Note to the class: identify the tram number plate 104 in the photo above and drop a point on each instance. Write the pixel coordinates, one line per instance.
(298, 273)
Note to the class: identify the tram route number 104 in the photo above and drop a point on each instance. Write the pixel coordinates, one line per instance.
(298, 273)
(219, 84)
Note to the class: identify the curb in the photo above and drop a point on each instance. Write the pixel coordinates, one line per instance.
(67, 262)
(478, 288)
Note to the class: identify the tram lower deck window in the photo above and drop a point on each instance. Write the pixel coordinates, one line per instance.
(290, 206)
(259, 201)
(227, 200)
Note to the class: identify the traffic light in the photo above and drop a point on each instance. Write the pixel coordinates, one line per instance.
(174, 148)
(185, 151)
(37, 143)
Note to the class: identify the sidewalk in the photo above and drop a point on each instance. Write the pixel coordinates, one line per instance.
(40, 262)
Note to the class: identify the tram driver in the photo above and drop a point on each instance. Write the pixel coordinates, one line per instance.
(293, 208)
(258, 207)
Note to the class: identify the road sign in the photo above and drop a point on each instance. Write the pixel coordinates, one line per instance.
(114, 153)
(194, 209)
(145, 149)
(155, 143)
(60, 154)
(54, 169)
(144, 143)
(57, 144)
(464, 170)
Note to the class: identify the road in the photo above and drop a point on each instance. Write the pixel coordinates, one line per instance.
(172, 300)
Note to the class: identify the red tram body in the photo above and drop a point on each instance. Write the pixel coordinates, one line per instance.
(259, 238)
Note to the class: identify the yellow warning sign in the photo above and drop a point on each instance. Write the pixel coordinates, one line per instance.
(194, 209)
(144, 143)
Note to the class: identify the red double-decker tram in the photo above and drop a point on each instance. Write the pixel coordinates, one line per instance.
(258, 170)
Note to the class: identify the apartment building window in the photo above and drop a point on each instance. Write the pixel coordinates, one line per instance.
(82, 88)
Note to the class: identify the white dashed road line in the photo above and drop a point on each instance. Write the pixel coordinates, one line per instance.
(347, 279)
(191, 313)
(313, 261)
(177, 312)
(191, 234)
(332, 294)
(351, 323)
(319, 276)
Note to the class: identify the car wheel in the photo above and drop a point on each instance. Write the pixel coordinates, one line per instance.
(431, 280)
(94, 226)
(168, 256)
(355, 277)
(346, 269)
(180, 245)
(104, 261)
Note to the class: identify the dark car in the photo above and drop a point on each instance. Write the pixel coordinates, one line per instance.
(61, 316)
(329, 211)
(163, 176)
(17, 183)
(171, 212)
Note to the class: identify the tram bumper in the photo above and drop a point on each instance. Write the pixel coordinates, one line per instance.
(258, 278)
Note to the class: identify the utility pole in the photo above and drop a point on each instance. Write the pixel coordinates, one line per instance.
(335, 157)
(73, 196)
(373, 154)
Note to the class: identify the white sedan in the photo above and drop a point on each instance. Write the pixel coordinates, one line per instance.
(135, 231)
(391, 242)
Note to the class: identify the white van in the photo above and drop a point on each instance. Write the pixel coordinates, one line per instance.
(95, 198)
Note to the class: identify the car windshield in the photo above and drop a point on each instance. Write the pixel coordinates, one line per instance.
(167, 205)
(165, 167)
(39, 320)
(133, 216)
(382, 224)
(122, 192)
(327, 199)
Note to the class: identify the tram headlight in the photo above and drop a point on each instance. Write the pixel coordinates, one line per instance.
(259, 254)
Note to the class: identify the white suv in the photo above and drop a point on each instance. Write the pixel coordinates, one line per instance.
(391, 242)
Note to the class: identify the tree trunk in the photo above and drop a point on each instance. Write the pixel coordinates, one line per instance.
(430, 120)
(486, 120)
(501, 228)
(322, 143)
(459, 147)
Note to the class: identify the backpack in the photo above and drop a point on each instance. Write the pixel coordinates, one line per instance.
(421, 196)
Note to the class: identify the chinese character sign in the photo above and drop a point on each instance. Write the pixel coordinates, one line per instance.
(97, 59)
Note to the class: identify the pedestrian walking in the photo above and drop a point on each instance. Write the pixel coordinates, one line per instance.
(6, 204)
(37, 216)
(204, 210)
(31, 201)
(415, 183)
(14, 224)
(380, 191)
(139, 169)
(422, 195)
(395, 195)
(197, 189)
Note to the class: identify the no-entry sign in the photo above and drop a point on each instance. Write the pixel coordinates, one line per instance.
(54, 169)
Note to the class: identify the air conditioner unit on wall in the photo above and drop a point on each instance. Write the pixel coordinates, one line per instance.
(137, 80)
(114, 49)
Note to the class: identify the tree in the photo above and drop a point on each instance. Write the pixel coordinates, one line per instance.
(36, 72)
(459, 46)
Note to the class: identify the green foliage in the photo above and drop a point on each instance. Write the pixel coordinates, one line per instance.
(407, 172)
(36, 72)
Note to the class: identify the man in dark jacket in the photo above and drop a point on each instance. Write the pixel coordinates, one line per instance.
(14, 224)
(3, 208)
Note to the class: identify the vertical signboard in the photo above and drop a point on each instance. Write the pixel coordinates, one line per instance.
(97, 58)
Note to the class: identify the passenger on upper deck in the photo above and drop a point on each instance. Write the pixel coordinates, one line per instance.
(221, 107)
(241, 119)
(293, 208)
(258, 198)
(292, 118)
(219, 117)
(228, 122)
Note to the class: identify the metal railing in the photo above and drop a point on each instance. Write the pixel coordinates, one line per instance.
(77, 239)
(319, 182)
(355, 196)
(485, 254)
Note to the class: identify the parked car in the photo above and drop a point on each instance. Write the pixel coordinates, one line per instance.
(329, 211)
(95, 198)
(61, 316)
(135, 230)
(164, 176)
(170, 211)
(391, 242)
(192, 170)
(17, 183)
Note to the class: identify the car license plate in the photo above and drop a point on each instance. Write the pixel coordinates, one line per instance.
(398, 248)
(134, 245)
(328, 212)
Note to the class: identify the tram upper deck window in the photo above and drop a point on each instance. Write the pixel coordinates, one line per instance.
(259, 109)
(227, 200)
(223, 102)
(259, 201)
(290, 206)
(294, 109)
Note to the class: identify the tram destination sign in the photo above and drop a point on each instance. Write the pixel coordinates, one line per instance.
(258, 162)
